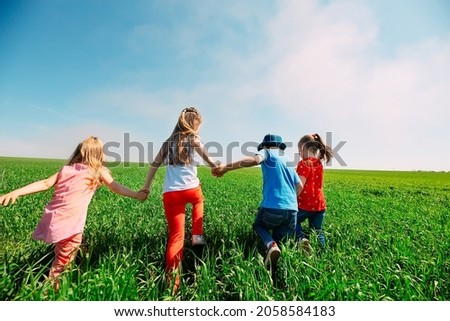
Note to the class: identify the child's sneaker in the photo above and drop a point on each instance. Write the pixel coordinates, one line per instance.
(306, 246)
(272, 254)
(198, 240)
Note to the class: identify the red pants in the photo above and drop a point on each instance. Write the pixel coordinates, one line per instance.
(65, 253)
(175, 210)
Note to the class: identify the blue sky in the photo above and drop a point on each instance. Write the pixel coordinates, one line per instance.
(373, 73)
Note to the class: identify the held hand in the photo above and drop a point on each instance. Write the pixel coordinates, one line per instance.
(219, 171)
(9, 198)
(215, 169)
(143, 194)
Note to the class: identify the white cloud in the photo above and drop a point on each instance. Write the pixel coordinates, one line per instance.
(307, 67)
(58, 141)
(321, 69)
(330, 75)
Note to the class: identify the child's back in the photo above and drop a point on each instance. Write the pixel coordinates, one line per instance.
(180, 176)
(279, 181)
(276, 217)
(66, 213)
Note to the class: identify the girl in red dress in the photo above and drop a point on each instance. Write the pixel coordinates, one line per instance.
(311, 201)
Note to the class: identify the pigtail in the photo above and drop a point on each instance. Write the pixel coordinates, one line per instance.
(325, 151)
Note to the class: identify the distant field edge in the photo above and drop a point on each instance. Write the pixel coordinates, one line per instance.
(133, 164)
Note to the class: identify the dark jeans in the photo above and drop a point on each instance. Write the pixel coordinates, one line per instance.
(280, 222)
(315, 220)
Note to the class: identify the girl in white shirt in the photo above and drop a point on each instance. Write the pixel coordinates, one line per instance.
(181, 186)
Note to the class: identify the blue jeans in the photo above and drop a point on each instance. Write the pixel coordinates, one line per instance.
(280, 222)
(315, 220)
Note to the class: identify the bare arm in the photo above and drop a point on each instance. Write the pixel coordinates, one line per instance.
(201, 150)
(153, 169)
(299, 186)
(117, 188)
(35, 187)
(244, 162)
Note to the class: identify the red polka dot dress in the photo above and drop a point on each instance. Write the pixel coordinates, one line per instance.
(311, 198)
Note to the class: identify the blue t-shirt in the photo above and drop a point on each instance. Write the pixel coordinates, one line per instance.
(279, 181)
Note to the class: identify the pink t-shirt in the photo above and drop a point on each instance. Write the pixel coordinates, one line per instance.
(66, 213)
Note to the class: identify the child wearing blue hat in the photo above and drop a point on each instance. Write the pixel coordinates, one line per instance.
(277, 215)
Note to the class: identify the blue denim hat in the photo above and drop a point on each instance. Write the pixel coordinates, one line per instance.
(272, 140)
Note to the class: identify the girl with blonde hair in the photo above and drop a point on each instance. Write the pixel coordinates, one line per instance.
(181, 187)
(65, 215)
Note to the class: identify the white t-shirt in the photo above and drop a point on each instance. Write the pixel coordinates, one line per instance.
(180, 177)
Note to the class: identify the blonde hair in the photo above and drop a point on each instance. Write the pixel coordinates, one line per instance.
(314, 143)
(90, 152)
(177, 146)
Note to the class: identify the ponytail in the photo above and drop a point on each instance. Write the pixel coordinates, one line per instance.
(325, 151)
(315, 143)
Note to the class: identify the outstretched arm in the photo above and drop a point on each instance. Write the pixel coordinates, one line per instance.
(152, 170)
(201, 150)
(35, 187)
(118, 188)
(244, 162)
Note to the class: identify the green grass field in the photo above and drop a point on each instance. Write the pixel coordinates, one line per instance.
(388, 239)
